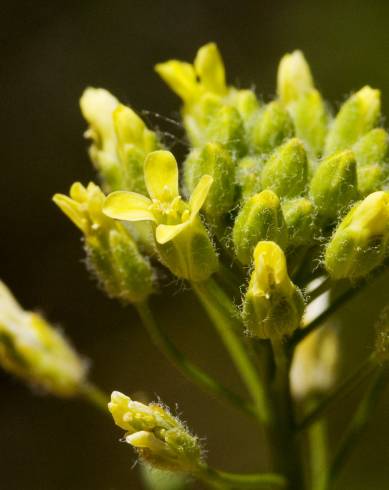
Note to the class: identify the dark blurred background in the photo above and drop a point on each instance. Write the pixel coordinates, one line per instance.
(49, 52)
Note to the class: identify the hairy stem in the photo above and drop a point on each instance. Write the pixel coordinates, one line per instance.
(182, 363)
(285, 441)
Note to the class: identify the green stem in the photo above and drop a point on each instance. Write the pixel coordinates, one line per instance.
(286, 443)
(190, 370)
(225, 318)
(95, 396)
(222, 479)
(318, 449)
(359, 421)
(352, 382)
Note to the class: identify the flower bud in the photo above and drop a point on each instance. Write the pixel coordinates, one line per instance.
(120, 140)
(371, 152)
(361, 241)
(246, 103)
(97, 106)
(294, 77)
(334, 184)
(156, 479)
(248, 175)
(358, 115)
(273, 305)
(35, 351)
(214, 160)
(260, 218)
(226, 127)
(286, 171)
(159, 438)
(315, 364)
(272, 126)
(299, 215)
(135, 142)
(310, 118)
(113, 255)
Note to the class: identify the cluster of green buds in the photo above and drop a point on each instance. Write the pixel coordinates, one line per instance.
(33, 350)
(159, 438)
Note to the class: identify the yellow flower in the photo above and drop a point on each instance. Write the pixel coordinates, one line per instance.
(113, 254)
(182, 241)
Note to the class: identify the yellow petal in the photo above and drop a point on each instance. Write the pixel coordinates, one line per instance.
(200, 194)
(128, 206)
(161, 175)
(129, 127)
(165, 233)
(72, 210)
(180, 77)
(210, 68)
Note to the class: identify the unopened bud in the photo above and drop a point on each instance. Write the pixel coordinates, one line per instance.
(300, 216)
(358, 115)
(310, 117)
(273, 305)
(35, 351)
(334, 184)
(135, 142)
(286, 171)
(113, 255)
(294, 77)
(371, 152)
(272, 126)
(259, 219)
(159, 438)
(214, 160)
(226, 127)
(361, 241)
(248, 175)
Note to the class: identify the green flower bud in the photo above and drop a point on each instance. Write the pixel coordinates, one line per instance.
(273, 305)
(294, 77)
(371, 152)
(361, 241)
(113, 255)
(246, 103)
(135, 142)
(35, 351)
(300, 216)
(286, 171)
(214, 160)
(248, 175)
(260, 218)
(358, 115)
(272, 126)
(226, 127)
(156, 479)
(334, 184)
(310, 117)
(159, 438)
